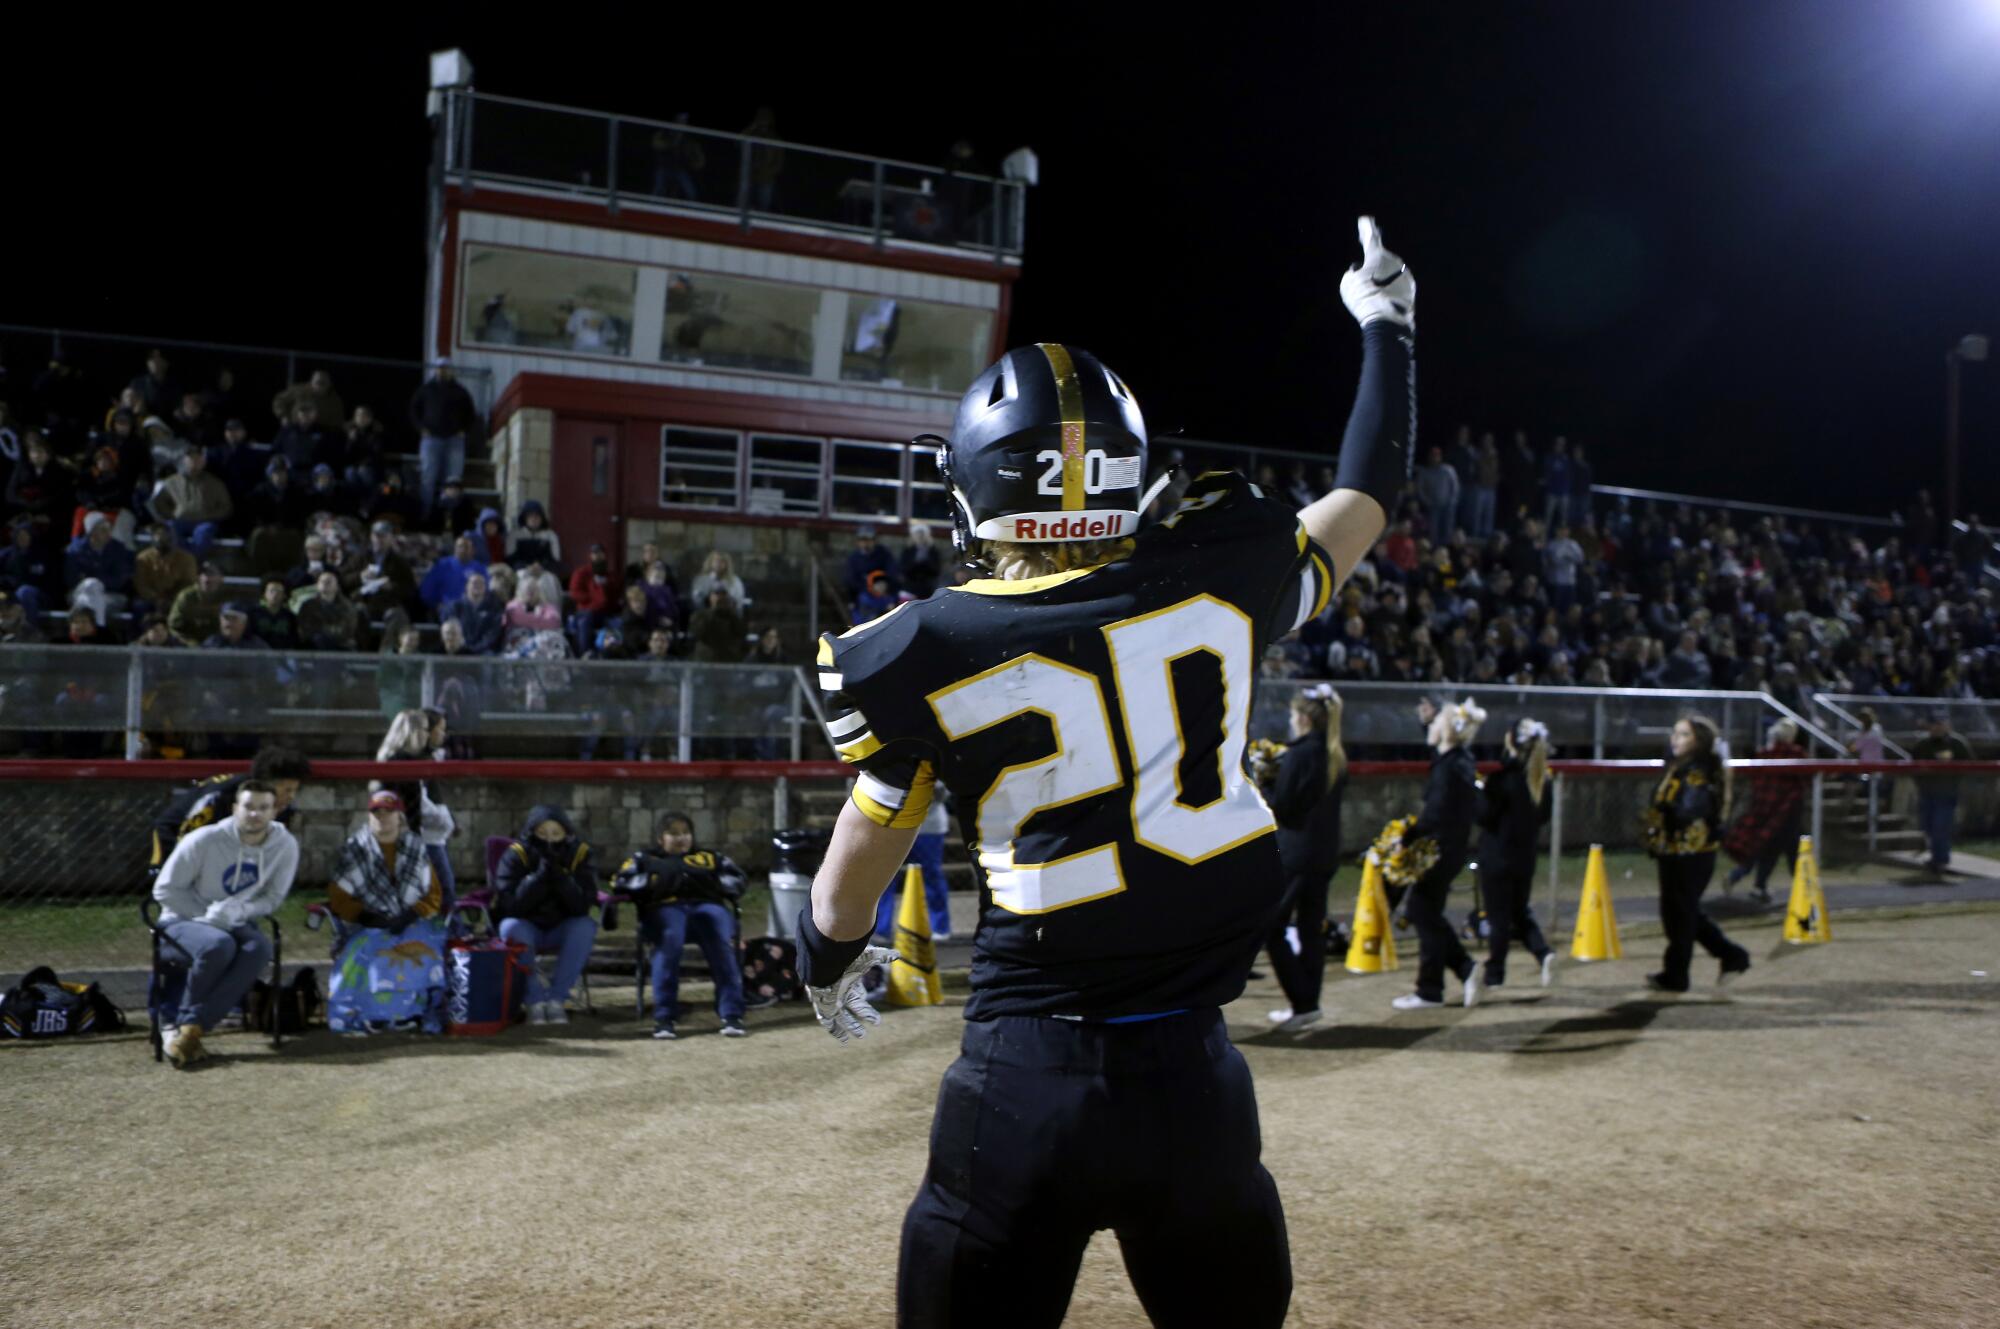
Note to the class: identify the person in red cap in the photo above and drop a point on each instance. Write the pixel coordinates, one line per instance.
(383, 878)
(388, 948)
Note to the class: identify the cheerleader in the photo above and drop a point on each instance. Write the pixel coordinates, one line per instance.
(1451, 802)
(1514, 805)
(1303, 787)
(1681, 828)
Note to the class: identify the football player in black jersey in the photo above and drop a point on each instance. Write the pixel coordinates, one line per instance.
(1090, 699)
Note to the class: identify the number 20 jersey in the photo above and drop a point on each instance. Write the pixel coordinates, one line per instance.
(1092, 727)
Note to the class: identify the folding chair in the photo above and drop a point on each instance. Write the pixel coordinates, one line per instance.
(482, 900)
(167, 980)
(642, 960)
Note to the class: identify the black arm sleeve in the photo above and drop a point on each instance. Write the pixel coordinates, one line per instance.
(1376, 450)
(1493, 802)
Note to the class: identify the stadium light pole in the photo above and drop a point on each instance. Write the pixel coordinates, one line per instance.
(1972, 346)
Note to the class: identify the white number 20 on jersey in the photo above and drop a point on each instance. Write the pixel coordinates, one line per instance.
(1085, 761)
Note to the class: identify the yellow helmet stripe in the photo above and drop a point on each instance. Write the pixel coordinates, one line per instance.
(1069, 395)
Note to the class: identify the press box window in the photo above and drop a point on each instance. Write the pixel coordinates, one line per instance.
(739, 323)
(787, 475)
(915, 344)
(547, 302)
(867, 480)
(700, 468)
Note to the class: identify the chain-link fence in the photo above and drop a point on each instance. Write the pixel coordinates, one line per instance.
(74, 868)
(81, 702)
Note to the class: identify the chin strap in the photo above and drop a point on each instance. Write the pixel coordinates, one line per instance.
(1160, 482)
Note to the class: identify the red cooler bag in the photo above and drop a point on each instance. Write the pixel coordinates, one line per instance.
(484, 985)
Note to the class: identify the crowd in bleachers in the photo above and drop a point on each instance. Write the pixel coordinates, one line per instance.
(172, 517)
(1521, 574)
(184, 517)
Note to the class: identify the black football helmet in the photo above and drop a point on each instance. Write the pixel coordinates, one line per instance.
(1048, 445)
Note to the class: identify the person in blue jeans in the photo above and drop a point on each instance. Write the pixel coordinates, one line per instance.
(442, 412)
(680, 892)
(1937, 795)
(543, 890)
(927, 854)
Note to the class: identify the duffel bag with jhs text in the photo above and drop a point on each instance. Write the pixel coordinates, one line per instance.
(42, 1006)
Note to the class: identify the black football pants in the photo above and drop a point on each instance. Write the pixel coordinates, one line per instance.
(1301, 975)
(1049, 1130)
(1508, 917)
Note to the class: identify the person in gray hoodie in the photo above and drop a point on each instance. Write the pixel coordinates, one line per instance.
(218, 881)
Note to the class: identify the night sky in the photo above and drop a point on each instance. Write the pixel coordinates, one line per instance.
(1725, 245)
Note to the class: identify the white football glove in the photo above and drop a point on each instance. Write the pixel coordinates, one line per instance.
(843, 1009)
(1381, 287)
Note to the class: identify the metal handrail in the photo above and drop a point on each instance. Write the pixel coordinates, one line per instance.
(1840, 713)
(701, 131)
(1741, 505)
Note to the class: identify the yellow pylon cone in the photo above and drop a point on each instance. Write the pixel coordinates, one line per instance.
(1805, 916)
(913, 975)
(1373, 948)
(1596, 936)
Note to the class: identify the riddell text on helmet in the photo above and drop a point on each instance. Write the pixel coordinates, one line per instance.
(1084, 526)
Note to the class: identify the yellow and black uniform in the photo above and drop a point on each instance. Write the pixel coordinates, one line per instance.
(1096, 721)
(1683, 829)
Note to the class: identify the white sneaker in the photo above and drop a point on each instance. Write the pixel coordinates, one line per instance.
(941, 936)
(1410, 1001)
(1303, 1020)
(1549, 970)
(538, 1012)
(1474, 985)
(1279, 1016)
(557, 1015)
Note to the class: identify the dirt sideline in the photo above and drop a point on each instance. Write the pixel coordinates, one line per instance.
(1818, 1152)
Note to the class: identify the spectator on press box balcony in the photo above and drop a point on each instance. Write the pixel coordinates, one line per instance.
(442, 413)
(480, 615)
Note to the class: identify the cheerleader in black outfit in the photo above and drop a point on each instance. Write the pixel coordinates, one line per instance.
(1683, 828)
(1514, 805)
(1451, 802)
(1304, 793)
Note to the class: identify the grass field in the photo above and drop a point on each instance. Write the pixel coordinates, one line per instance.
(1822, 1151)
